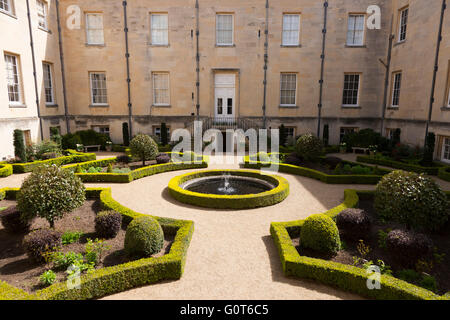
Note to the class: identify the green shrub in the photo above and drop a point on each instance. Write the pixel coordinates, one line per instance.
(64, 260)
(70, 237)
(13, 222)
(107, 224)
(164, 136)
(39, 243)
(50, 192)
(326, 135)
(55, 136)
(70, 141)
(408, 275)
(94, 250)
(19, 146)
(309, 147)
(428, 154)
(319, 232)
(47, 147)
(429, 282)
(125, 134)
(144, 237)
(143, 147)
(283, 135)
(47, 278)
(353, 223)
(413, 200)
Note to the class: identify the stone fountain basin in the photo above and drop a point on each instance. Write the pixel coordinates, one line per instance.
(254, 189)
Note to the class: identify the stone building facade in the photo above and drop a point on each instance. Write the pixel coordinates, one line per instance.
(238, 63)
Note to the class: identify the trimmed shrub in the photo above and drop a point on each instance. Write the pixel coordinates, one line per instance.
(427, 160)
(408, 247)
(283, 135)
(144, 237)
(309, 147)
(125, 134)
(40, 242)
(107, 224)
(332, 162)
(294, 159)
(162, 158)
(12, 221)
(413, 200)
(19, 146)
(353, 223)
(319, 232)
(50, 192)
(55, 136)
(164, 136)
(70, 141)
(326, 135)
(143, 147)
(123, 159)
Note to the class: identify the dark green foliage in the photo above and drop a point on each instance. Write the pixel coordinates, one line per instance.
(123, 159)
(428, 154)
(407, 247)
(413, 200)
(283, 135)
(408, 275)
(429, 282)
(65, 260)
(50, 192)
(144, 237)
(353, 223)
(19, 146)
(293, 159)
(70, 141)
(12, 221)
(309, 147)
(143, 147)
(396, 137)
(319, 232)
(39, 243)
(126, 134)
(164, 135)
(332, 162)
(399, 165)
(107, 224)
(162, 158)
(85, 137)
(55, 136)
(365, 138)
(326, 135)
(69, 237)
(47, 278)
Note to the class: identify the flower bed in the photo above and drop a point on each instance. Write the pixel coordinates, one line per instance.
(346, 277)
(121, 277)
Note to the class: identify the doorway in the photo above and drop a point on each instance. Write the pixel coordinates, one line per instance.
(225, 96)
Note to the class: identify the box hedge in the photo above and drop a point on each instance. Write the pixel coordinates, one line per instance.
(5, 170)
(433, 171)
(444, 173)
(110, 280)
(345, 277)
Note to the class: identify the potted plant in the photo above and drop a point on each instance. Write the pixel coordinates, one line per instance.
(80, 147)
(343, 147)
(373, 150)
(108, 146)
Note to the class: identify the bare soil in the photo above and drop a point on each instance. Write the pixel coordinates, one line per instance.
(441, 240)
(20, 271)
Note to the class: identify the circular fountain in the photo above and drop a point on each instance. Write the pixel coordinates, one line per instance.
(230, 189)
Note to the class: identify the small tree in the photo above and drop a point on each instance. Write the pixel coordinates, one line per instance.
(125, 134)
(283, 135)
(309, 147)
(429, 150)
(326, 135)
(55, 136)
(19, 145)
(396, 137)
(50, 192)
(164, 136)
(143, 147)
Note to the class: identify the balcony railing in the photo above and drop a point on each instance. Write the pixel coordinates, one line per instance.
(224, 123)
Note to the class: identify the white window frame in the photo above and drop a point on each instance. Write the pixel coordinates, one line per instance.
(154, 88)
(396, 88)
(42, 16)
(166, 30)
(157, 131)
(92, 89)
(9, 4)
(448, 92)
(354, 30)
(297, 43)
(47, 76)
(217, 30)
(445, 143)
(281, 89)
(359, 90)
(16, 74)
(89, 28)
(403, 22)
(100, 128)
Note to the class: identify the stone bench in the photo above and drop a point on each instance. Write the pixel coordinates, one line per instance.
(364, 150)
(86, 148)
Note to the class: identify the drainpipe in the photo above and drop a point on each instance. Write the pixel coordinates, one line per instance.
(63, 72)
(436, 68)
(197, 58)
(266, 60)
(322, 65)
(387, 65)
(34, 70)
(127, 57)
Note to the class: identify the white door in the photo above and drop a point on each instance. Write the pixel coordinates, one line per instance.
(446, 150)
(225, 92)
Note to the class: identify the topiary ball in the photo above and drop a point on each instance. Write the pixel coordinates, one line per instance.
(144, 237)
(353, 223)
(413, 200)
(107, 224)
(42, 241)
(143, 147)
(408, 247)
(12, 221)
(309, 147)
(319, 232)
(162, 158)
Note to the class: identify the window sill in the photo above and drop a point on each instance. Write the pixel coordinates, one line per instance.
(355, 46)
(18, 105)
(399, 43)
(51, 105)
(99, 106)
(392, 108)
(445, 108)
(161, 106)
(12, 15)
(288, 107)
(351, 106)
(45, 30)
(225, 45)
(159, 45)
(291, 46)
(95, 45)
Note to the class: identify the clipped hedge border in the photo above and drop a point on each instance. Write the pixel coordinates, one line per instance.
(345, 277)
(264, 199)
(432, 171)
(74, 157)
(314, 174)
(94, 163)
(110, 280)
(444, 173)
(5, 170)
